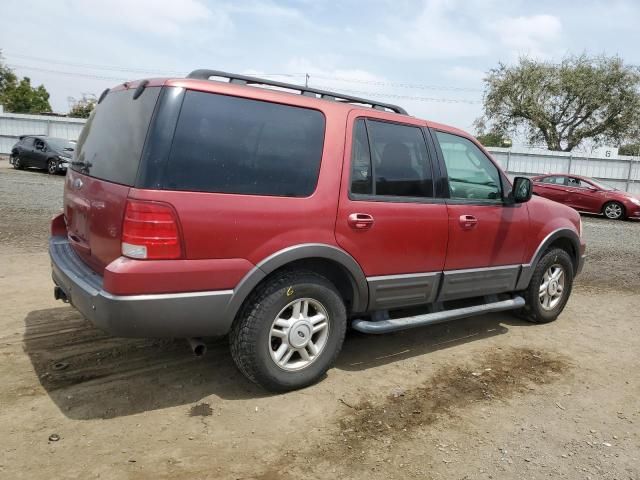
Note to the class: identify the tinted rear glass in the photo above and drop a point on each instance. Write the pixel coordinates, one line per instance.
(235, 145)
(111, 142)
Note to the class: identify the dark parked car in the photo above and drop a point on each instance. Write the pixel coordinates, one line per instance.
(196, 208)
(587, 195)
(39, 151)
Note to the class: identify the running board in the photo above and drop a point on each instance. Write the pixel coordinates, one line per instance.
(395, 324)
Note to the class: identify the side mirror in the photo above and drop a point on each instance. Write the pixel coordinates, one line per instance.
(522, 189)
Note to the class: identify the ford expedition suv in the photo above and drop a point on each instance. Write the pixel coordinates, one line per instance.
(281, 215)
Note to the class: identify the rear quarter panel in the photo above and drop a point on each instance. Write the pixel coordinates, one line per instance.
(252, 227)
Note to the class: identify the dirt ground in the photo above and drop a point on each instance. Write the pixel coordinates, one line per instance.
(484, 398)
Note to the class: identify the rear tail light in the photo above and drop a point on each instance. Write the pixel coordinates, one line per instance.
(150, 231)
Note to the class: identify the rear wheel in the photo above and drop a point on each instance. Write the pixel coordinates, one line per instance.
(52, 166)
(613, 210)
(549, 288)
(290, 332)
(17, 163)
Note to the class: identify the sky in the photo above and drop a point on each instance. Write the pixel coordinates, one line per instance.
(429, 56)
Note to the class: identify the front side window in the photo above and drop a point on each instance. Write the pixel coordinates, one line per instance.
(229, 144)
(390, 160)
(472, 176)
(576, 182)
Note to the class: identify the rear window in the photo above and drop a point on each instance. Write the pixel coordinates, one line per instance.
(236, 145)
(111, 142)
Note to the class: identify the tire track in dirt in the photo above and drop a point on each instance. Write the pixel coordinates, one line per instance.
(365, 434)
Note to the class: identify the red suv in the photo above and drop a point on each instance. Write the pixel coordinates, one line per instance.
(280, 215)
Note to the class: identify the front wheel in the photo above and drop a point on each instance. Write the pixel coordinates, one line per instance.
(52, 166)
(613, 210)
(290, 332)
(549, 288)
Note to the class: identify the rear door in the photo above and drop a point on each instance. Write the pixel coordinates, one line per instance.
(105, 167)
(388, 217)
(487, 237)
(25, 149)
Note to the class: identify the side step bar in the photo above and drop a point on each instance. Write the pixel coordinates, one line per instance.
(395, 324)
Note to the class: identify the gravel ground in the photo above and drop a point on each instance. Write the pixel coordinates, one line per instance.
(484, 398)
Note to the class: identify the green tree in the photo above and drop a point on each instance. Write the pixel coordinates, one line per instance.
(631, 149)
(18, 96)
(82, 108)
(493, 139)
(562, 105)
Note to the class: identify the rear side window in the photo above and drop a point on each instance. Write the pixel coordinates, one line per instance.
(391, 160)
(235, 145)
(111, 141)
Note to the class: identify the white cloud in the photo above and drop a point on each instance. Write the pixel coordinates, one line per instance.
(534, 35)
(465, 74)
(440, 31)
(164, 17)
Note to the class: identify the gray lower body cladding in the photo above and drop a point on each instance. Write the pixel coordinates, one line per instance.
(190, 314)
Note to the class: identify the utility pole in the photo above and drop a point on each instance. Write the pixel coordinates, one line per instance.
(306, 80)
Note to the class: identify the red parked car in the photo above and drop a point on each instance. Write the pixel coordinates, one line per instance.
(587, 195)
(196, 207)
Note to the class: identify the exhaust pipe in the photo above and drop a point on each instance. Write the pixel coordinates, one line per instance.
(198, 347)
(59, 294)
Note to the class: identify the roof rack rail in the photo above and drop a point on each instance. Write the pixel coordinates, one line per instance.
(306, 91)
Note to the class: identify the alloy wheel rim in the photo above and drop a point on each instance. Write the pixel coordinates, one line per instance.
(299, 334)
(552, 287)
(52, 167)
(613, 210)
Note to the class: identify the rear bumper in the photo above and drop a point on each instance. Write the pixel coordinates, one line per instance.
(190, 314)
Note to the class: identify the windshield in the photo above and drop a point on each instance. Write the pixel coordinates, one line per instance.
(602, 186)
(61, 144)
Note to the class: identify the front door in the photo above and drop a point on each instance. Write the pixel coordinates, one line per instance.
(487, 237)
(388, 217)
(583, 196)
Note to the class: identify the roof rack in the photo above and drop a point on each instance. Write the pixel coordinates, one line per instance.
(306, 91)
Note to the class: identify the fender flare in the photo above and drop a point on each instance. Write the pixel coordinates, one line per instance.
(560, 233)
(301, 252)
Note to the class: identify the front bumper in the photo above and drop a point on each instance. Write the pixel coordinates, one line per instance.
(192, 314)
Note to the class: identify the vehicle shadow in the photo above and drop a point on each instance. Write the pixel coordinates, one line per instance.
(90, 375)
(363, 351)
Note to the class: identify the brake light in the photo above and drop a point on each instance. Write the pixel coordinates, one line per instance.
(150, 231)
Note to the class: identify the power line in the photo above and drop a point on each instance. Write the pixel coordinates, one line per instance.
(406, 97)
(62, 72)
(416, 86)
(361, 92)
(163, 71)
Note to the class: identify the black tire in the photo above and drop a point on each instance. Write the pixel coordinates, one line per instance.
(52, 166)
(614, 210)
(533, 310)
(251, 342)
(17, 163)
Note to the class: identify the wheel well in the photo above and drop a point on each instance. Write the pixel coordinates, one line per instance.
(567, 245)
(613, 201)
(333, 271)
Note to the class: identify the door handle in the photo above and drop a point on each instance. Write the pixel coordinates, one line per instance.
(360, 221)
(468, 221)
